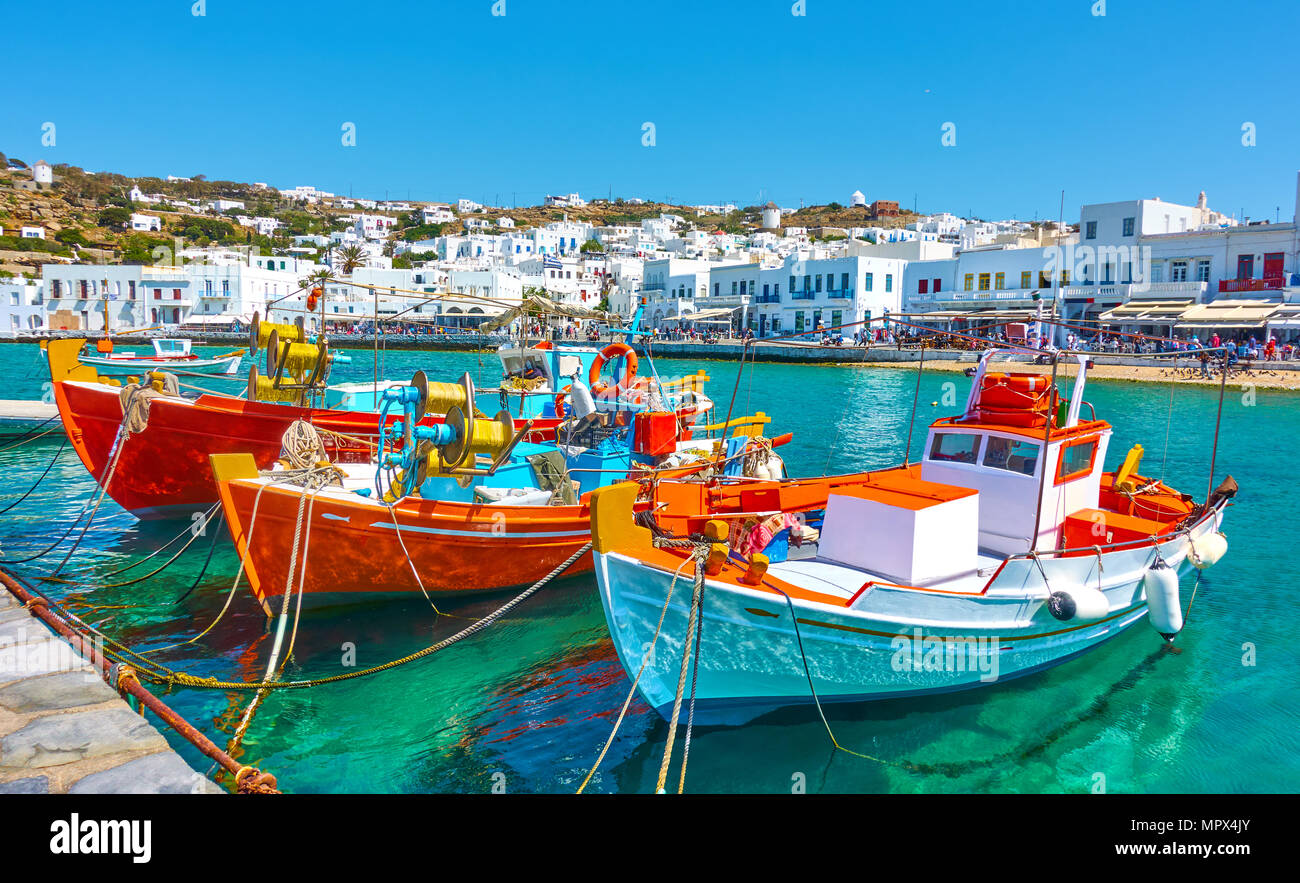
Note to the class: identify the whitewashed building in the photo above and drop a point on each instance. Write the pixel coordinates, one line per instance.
(22, 307)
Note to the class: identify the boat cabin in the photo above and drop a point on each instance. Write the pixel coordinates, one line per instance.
(980, 493)
(546, 362)
(171, 347)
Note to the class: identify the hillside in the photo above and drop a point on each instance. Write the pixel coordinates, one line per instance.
(85, 216)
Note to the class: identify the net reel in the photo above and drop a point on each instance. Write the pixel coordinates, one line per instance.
(259, 333)
(305, 364)
(449, 448)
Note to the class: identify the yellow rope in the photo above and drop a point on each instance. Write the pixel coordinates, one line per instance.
(618, 722)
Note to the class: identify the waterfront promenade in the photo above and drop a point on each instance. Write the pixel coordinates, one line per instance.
(1162, 369)
(63, 730)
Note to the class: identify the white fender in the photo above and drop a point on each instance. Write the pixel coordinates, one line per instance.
(1079, 604)
(776, 467)
(1206, 550)
(1164, 609)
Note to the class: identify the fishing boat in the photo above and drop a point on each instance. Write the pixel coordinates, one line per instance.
(1006, 550)
(164, 468)
(161, 469)
(169, 354)
(468, 505)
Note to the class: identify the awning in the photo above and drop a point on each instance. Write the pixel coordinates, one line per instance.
(1147, 312)
(216, 320)
(537, 305)
(1242, 314)
(703, 314)
(1286, 316)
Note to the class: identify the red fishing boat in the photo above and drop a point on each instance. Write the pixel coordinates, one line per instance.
(162, 470)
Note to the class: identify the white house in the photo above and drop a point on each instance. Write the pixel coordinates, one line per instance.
(567, 200)
(22, 306)
(374, 226)
(467, 205)
(857, 198)
(42, 172)
(145, 223)
(436, 213)
(32, 232)
(138, 195)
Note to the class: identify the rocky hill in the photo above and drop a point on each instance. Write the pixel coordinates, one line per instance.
(86, 215)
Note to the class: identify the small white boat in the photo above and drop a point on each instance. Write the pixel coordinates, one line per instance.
(970, 567)
(169, 354)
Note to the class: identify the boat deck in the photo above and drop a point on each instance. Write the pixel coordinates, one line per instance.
(829, 577)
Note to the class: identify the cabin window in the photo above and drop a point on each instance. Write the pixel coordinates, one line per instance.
(1011, 454)
(1076, 460)
(954, 447)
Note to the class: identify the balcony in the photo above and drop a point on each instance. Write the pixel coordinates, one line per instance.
(1272, 283)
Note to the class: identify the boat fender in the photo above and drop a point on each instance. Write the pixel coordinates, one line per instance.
(1160, 585)
(1080, 604)
(1206, 551)
(580, 398)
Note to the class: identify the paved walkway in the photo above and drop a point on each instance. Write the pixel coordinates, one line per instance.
(63, 730)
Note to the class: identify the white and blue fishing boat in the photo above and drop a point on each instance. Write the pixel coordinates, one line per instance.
(1006, 550)
(170, 354)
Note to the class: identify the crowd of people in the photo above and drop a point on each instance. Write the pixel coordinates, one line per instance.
(1249, 348)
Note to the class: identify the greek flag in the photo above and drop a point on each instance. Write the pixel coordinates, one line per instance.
(551, 263)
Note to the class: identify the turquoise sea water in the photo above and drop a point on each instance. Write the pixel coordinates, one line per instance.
(528, 704)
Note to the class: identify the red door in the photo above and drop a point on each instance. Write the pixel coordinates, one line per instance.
(1273, 268)
(1245, 266)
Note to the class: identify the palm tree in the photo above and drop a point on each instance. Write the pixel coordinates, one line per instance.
(318, 279)
(350, 258)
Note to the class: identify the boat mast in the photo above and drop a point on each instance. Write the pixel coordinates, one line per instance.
(907, 455)
(1042, 455)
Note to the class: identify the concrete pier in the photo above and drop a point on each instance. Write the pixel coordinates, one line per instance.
(20, 417)
(64, 731)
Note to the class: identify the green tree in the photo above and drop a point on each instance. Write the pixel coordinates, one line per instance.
(351, 257)
(114, 216)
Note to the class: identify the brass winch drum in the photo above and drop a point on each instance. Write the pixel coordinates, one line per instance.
(259, 333)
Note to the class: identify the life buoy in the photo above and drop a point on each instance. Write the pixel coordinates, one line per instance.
(613, 351)
(560, 410)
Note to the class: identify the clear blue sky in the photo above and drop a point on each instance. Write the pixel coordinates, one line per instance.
(749, 102)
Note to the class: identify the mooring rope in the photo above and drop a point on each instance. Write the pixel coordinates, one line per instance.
(187, 680)
(63, 446)
(194, 535)
(681, 677)
(690, 714)
(645, 659)
(29, 435)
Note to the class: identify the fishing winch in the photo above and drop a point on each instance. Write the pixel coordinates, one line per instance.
(295, 368)
(450, 448)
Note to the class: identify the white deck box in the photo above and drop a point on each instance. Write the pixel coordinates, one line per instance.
(915, 536)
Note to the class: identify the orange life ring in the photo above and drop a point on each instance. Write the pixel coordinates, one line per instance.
(613, 351)
(559, 401)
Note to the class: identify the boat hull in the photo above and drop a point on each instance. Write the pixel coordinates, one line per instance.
(893, 642)
(110, 367)
(165, 471)
(354, 552)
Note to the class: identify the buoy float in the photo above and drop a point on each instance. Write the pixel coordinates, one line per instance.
(1080, 604)
(1206, 551)
(1163, 607)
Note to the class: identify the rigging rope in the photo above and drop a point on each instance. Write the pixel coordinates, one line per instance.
(62, 447)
